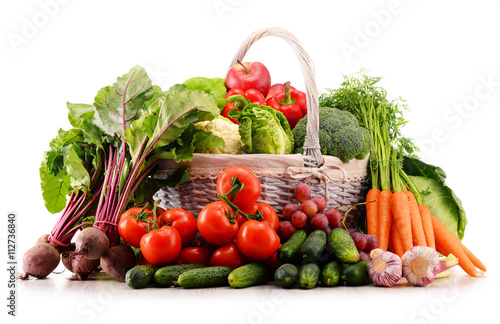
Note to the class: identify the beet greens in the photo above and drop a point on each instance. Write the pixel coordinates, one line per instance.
(103, 165)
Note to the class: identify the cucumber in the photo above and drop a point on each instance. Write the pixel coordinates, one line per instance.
(309, 275)
(357, 274)
(289, 252)
(287, 276)
(204, 277)
(342, 246)
(166, 276)
(249, 275)
(141, 276)
(331, 274)
(314, 245)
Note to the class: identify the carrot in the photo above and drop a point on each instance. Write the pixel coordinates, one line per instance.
(449, 243)
(384, 219)
(417, 229)
(475, 260)
(372, 212)
(396, 240)
(425, 215)
(441, 250)
(401, 215)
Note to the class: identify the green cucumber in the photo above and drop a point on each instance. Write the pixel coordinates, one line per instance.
(314, 245)
(204, 277)
(289, 252)
(342, 246)
(141, 276)
(331, 274)
(356, 274)
(166, 276)
(249, 275)
(287, 276)
(309, 275)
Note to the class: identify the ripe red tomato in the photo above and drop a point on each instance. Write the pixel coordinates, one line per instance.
(214, 225)
(273, 263)
(251, 186)
(134, 224)
(257, 240)
(194, 254)
(142, 260)
(228, 256)
(268, 213)
(183, 221)
(161, 246)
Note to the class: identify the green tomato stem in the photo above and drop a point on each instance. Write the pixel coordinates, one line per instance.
(237, 187)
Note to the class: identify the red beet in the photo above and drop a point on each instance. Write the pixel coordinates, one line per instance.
(40, 260)
(92, 242)
(82, 266)
(118, 260)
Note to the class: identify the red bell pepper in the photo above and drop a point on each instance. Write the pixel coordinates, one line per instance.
(293, 104)
(252, 95)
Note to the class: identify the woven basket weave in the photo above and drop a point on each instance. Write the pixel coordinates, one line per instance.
(343, 185)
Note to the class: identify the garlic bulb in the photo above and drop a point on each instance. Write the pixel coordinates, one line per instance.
(421, 264)
(384, 268)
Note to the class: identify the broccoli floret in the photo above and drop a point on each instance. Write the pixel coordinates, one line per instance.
(367, 144)
(339, 135)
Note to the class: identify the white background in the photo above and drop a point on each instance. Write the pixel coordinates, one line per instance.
(442, 57)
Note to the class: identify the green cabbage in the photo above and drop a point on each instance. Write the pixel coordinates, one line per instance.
(441, 200)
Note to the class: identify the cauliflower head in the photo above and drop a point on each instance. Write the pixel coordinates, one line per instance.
(225, 129)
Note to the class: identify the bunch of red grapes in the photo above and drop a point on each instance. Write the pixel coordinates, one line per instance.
(310, 213)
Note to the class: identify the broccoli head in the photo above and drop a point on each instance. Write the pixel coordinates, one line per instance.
(339, 135)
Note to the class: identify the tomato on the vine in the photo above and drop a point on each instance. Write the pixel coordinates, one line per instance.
(183, 221)
(268, 213)
(194, 254)
(228, 256)
(257, 240)
(250, 192)
(137, 221)
(161, 246)
(217, 224)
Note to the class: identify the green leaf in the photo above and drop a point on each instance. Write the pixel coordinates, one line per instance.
(442, 205)
(55, 157)
(65, 138)
(135, 137)
(79, 176)
(206, 140)
(127, 166)
(216, 86)
(54, 189)
(78, 113)
(441, 200)
(264, 130)
(178, 110)
(120, 104)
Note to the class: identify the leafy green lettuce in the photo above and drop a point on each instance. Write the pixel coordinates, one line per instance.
(215, 86)
(264, 130)
(442, 201)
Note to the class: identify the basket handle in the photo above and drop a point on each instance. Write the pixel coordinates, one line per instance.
(312, 149)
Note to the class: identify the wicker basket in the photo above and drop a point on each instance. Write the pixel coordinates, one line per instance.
(342, 185)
